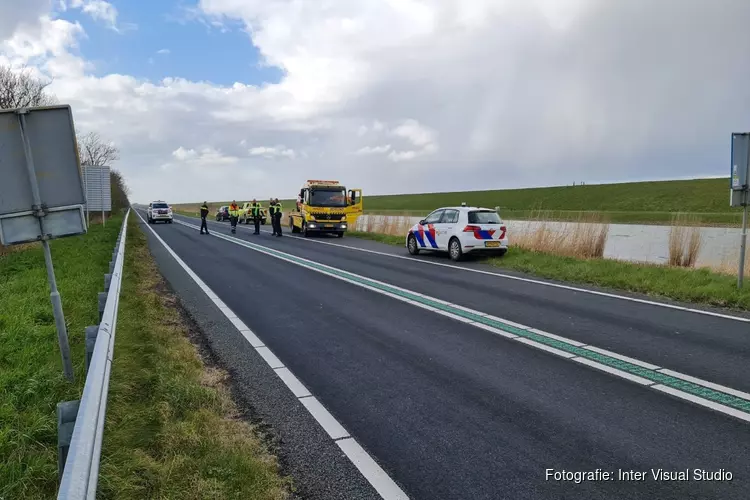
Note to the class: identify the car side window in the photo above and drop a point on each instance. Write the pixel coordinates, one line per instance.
(450, 217)
(434, 217)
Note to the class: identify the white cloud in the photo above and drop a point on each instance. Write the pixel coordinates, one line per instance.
(102, 11)
(206, 156)
(505, 93)
(163, 52)
(272, 152)
(373, 150)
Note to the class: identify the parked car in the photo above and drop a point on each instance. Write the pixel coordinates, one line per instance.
(459, 231)
(246, 214)
(222, 213)
(159, 211)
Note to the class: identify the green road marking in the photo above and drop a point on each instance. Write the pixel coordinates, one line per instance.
(624, 366)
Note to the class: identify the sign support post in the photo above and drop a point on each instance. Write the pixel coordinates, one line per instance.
(40, 212)
(743, 244)
(739, 190)
(101, 190)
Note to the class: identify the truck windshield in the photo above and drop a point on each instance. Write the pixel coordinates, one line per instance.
(328, 197)
(160, 205)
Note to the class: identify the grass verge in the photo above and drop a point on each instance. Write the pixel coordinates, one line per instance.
(691, 285)
(172, 429)
(31, 379)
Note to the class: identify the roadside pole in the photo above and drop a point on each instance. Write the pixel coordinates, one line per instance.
(86, 192)
(40, 212)
(101, 191)
(739, 190)
(743, 244)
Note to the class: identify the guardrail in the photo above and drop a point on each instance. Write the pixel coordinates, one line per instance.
(80, 423)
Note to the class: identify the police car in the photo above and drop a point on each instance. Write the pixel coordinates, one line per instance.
(159, 211)
(459, 231)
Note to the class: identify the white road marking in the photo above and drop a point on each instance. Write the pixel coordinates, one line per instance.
(615, 371)
(293, 383)
(529, 280)
(324, 418)
(704, 383)
(373, 473)
(637, 362)
(703, 402)
(354, 279)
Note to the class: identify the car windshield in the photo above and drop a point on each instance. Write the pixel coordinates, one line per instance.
(484, 217)
(160, 205)
(328, 197)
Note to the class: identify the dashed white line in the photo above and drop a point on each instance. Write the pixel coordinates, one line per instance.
(371, 471)
(324, 418)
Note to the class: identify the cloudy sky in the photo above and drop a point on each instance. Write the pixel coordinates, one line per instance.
(220, 99)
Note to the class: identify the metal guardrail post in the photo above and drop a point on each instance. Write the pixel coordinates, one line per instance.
(80, 449)
(102, 297)
(66, 418)
(90, 339)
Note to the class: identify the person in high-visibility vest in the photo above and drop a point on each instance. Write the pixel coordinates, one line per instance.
(234, 214)
(204, 214)
(277, 216)
(255, 212)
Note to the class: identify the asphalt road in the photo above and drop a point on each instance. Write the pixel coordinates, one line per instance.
(451, 411)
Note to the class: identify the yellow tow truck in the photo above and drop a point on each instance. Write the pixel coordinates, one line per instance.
(325, 207)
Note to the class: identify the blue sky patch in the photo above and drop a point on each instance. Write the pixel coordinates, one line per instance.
(157, 39)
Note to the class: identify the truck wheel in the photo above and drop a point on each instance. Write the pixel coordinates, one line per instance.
(340, 234)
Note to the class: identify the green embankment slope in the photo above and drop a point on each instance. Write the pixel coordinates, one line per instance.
(707, 199)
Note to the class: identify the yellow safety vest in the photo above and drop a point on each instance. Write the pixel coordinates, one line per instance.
(204, 207)
(277, 208)
(256, 209)
(234, 210)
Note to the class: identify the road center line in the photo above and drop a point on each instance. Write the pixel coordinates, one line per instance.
(528, 280)
(734, 403)
(365, 464)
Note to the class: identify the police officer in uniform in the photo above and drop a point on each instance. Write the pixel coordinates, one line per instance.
(277, 216)
(272, 215)
(255, 212)
(234, 214)
(204, 214)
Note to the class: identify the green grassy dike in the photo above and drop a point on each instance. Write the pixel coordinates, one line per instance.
(172, 430)
(698, 286)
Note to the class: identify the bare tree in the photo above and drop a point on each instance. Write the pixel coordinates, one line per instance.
(20, 89)
(94, 151)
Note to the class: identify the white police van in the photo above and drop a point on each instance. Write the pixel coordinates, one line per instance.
(159, 211)
(459, 231)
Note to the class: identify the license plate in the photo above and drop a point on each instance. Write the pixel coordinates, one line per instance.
(329, 225)
(492, 244)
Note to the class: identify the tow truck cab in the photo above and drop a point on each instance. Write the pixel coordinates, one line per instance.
(325, 207)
